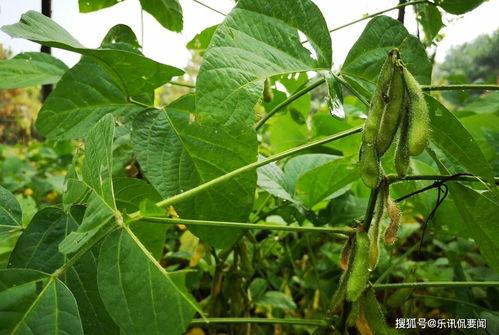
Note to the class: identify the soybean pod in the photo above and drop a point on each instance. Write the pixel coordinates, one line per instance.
(359, 274)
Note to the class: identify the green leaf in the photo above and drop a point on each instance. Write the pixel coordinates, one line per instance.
(449, 135)
(480, 212)
(285, 133)
(486, 104)
(37, 247)
(276, 299)
(83, 96)
(81, 279)
(325, 181)
(431, 20)
(176, 154)
(30, 69)
(335, 96)
(129, 194)
(458, 7)
(201, 41)
(97, 175)
(87, 6)
(121, 33)
(243, 53)
(364, 60)
(10, 211)
(167, 12)
(140, 295)
(134, 72)
(33, 303)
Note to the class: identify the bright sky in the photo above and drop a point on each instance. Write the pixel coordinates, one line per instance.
(169, 48)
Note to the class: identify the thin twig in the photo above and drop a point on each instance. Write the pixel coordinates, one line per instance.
(210, 8)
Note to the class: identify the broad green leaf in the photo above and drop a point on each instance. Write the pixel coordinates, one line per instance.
(431, 20)
(458, 7)
(364, 60)
(326, 181)
(243, 53)
(201, 41)
(87, 6)
(449, 135)
(30, 69)
(10, 211)
(81, 279)
(83, 96)
(276, 299)
(484, 128)
(335, 96)
(285, 133)
(97, 175)
(167, 12)
(177, 154)
(31, 302)
(141, 297)
(121, 33)
(129, 194)
(480, 212)
(75, 191)
(135, 73)
(272, 179)
(37, 247)
(486, 104)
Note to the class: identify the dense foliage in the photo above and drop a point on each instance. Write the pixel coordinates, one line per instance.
(239, 207)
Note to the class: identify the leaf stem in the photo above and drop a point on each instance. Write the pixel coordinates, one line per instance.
(410, 3)
(459, 87)
(303, 322)
(396, 179)
(210, 8)
(176, 83)
(437, 284)
(193, 191)
(296, 95)
(240, 225)
(138, 103)
(371, 205)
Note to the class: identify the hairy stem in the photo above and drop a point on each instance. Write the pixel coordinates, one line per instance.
(437, 284)
(459, 87)
(240, 225)
(193, 191)
(210, 8)
(304, 322)
(176, 83)
(396, 179)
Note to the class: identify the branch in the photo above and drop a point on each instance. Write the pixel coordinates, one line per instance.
(193, 191)
(176, 83)
(240, 225)
(303, 322)
(460, 87)
(210, 8)
(379, 13)
(437, 284)
(296, 95)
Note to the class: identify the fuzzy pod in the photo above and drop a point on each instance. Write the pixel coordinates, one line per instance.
(359, 275)
(345, 253)
(394, 214)
(268, 95)
(419, 119)
(340, 293)
(370, 168)
(378, 100)
(374, 232)
(392, 113)
(353, 315)
(402, 153)
(373, 314)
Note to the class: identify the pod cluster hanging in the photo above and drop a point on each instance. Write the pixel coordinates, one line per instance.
(398, 109)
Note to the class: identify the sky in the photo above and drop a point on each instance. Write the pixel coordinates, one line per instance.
(169, 47)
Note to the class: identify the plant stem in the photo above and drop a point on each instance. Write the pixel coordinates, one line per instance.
(193, 191)
(438, 284)
(379, 13)
(351, 89)
(240, 225)
(296, 95)
(371, 205)
(303, 322)
(210, 8)
(138, 103)
(459, 87)
(396, 179)
(176, 83)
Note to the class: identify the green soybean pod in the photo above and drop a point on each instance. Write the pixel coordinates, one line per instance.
(378, 100)
(402, 152)
(419, 121)
(392, 113)
(374, 232)
(373, 314)
(360, 273)
(268, 95)
(370, 169)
